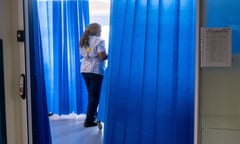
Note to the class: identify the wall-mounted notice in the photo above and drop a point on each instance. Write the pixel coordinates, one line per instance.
(216, 47)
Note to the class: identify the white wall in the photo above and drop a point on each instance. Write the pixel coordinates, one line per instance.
(8, 27)
(219, 100)
(220, 108)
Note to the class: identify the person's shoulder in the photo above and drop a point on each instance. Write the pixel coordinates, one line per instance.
(97, 38)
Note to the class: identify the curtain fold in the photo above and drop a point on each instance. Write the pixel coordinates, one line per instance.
(62, 23)
(40, 122)
(150, 98)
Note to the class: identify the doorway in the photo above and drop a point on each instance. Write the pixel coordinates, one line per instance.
(36, 76)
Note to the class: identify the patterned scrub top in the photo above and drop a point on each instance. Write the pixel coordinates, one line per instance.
(90, 63)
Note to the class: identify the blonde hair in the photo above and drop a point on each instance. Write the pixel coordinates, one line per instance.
(94, 29)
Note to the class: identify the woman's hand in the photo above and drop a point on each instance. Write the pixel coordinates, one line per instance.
(102, 55)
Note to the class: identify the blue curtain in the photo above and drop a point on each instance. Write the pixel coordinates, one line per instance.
(40, 122)
(150, 98)
(62, 23)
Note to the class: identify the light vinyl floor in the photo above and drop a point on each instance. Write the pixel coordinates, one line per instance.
(69, 130)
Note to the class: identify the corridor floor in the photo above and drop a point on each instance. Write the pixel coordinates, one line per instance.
(70, 130)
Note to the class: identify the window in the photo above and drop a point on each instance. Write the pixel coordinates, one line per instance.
(99, 11)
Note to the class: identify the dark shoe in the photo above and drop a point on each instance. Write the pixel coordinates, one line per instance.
(90, 124)
(50, 114)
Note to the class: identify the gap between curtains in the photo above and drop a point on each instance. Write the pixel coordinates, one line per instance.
(62, 23)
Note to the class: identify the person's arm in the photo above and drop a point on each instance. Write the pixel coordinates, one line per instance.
(102, 55)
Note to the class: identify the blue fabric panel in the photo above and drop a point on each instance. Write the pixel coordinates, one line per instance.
(40, 122)
(151, 72)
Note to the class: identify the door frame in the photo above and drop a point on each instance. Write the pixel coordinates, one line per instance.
(27, 26)
(3, 129)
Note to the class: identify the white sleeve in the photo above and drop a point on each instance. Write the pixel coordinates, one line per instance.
(101, 46)
(83, 52)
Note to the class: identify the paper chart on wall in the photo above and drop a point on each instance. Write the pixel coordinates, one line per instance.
(216, 47)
